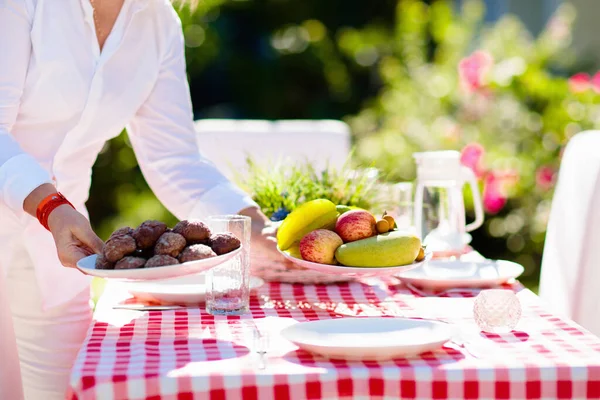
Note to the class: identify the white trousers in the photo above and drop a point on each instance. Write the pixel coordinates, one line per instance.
(47, 341)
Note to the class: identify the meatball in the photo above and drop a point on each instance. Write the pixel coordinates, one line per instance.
(196, 252)
(223, 243)
(193, 230)
(148, 233)
(169, 244)
(144, 253)
(130, 263)
(118, 247)
(121, 231)
(103, 263)
(161, 261)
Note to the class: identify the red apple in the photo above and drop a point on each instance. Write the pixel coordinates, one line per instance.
(356, 225)
(319, 246)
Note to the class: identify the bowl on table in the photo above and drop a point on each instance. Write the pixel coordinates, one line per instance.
(369, 338)
(181, 290)
(354, 272)
(87, 265)
(449, 274)
(286, 271)
(155, 251)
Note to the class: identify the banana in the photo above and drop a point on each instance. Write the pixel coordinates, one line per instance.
(323, 222)
(313, 215)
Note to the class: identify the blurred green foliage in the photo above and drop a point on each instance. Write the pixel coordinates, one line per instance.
(279, 188)
(390, 69)
(514, 101)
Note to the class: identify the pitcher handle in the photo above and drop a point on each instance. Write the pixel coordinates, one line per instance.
(477, 203)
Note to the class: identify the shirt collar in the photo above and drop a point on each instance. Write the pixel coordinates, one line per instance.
(89, 10)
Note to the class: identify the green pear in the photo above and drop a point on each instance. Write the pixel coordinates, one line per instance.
(387, 250)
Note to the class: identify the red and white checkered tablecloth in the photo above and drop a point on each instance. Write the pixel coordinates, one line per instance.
(189, 354)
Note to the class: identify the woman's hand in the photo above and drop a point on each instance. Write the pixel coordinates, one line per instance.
(264, 239)
(73, 235)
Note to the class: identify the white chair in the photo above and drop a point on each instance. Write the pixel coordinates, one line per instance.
(228, 143)
(570, 276)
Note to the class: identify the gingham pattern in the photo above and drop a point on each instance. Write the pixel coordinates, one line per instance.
(189, 354)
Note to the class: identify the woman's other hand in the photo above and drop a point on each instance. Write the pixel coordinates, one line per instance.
(73, 235)
(264, 237)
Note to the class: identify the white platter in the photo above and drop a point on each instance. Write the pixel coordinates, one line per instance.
(442, 274)
(87, 265)
(182, 290)
(354, 272)
(369, 338)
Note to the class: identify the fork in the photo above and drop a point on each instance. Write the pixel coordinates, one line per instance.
(260, 347)
(145, 307)
(463, 346)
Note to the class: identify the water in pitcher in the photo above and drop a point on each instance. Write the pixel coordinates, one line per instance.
(439, 204)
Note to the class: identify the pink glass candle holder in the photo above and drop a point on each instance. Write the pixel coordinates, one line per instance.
(497, 310)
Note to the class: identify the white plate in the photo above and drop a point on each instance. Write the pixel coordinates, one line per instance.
(369, 338)
(354, 272)
(183, 290)
(87, 265)
(442, 274)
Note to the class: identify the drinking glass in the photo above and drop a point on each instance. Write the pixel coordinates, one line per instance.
(227, 285)
(403, 198)
(396, 199)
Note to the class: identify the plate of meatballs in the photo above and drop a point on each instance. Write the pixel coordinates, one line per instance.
(154, 251)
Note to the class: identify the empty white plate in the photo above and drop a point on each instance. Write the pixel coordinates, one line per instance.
(183, 290)
(369, 338)
(447, 274)
(353, 272)
(87, 265)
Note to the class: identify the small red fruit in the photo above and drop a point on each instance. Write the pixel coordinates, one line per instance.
(319, 246)
(356, 225)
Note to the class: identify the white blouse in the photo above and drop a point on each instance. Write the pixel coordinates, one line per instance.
(61, 99)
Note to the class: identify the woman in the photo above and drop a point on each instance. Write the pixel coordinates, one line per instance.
(73, 73)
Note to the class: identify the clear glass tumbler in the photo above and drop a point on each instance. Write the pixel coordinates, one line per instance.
(227, 285)
(397, 200)
(403, 198)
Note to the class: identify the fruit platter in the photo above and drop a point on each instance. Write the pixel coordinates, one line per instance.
(347, 241)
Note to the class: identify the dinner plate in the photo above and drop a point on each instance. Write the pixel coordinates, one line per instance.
(87, 265)
(354, 272)
(182, 290)
(446, 274)
(369, 338)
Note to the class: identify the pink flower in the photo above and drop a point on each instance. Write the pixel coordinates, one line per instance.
(579, 82)
(494, 198)
(545, 177)
(595, 81)
(497, 184)
(472, 70)
(472, 157)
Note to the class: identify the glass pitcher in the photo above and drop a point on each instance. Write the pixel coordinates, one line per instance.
(439, 209)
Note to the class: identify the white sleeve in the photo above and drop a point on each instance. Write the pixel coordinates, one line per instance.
(164, 140)
(20, 173)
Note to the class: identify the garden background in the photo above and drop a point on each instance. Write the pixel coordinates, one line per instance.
(407, 76)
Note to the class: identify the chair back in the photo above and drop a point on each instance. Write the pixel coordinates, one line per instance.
(228, 143)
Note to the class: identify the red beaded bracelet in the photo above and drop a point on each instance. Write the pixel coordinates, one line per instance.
(49, 204)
